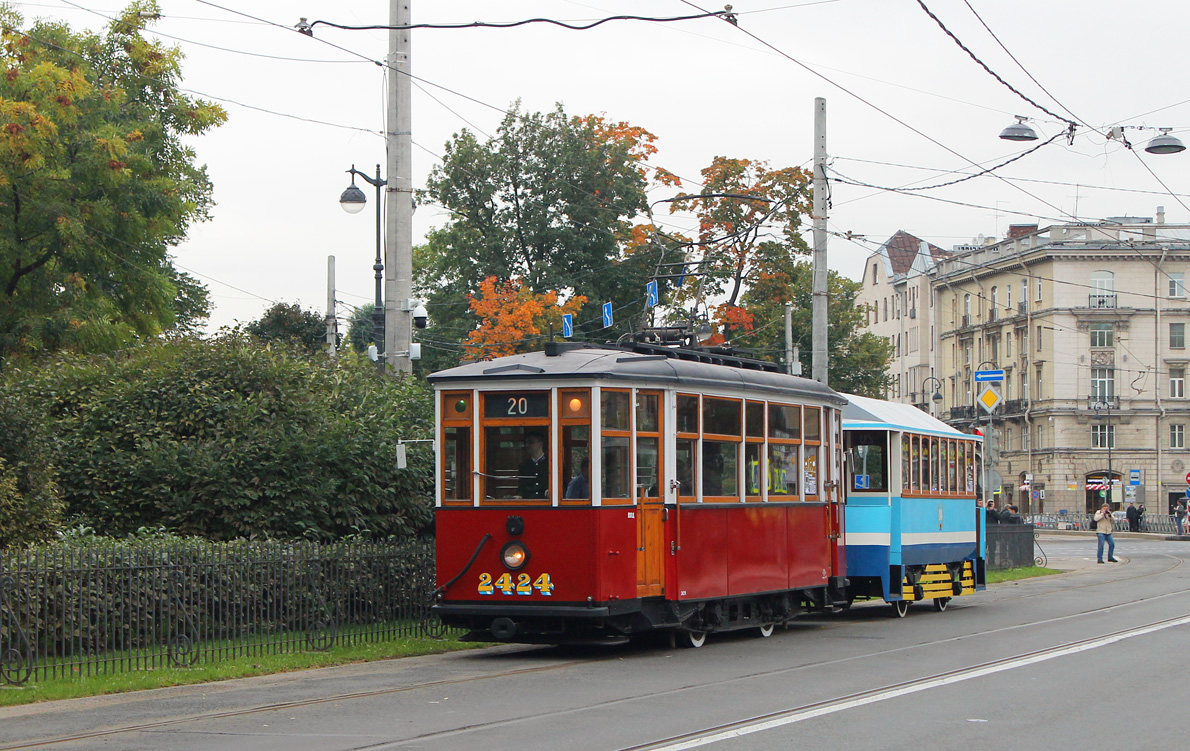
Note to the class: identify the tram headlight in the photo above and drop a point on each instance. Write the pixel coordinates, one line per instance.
(515, 555)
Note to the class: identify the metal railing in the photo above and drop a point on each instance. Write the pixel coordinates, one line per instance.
(111, 607)
(1009, 546)
(1161, 524)
(1101, 301)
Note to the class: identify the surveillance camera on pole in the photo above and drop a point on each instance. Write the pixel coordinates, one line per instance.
(419, 316)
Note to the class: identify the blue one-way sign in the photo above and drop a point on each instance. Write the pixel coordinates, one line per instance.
(982, 376)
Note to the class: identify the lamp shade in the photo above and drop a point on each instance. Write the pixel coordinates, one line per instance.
(1019, 131)
(353, 200)
(1164, 143)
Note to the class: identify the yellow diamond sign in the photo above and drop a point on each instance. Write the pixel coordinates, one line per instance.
(989, 398)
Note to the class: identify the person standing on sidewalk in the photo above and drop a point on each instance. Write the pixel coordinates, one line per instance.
(1133, 516)
(1179, 516)
(1103, 529)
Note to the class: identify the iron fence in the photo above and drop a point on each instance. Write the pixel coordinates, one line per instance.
(109, 607)
(1162, 524)
(1010, 546)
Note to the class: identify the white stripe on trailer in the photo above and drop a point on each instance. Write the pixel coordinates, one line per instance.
(867, 538)
(934, 538)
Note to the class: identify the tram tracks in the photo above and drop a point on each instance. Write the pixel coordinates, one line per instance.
(174, 722)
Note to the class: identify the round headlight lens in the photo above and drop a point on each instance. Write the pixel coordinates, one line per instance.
(515, 555)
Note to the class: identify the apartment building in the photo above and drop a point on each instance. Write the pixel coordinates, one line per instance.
(898, 295)
(1088, 322)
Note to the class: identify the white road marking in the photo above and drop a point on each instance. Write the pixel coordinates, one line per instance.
(925, 685)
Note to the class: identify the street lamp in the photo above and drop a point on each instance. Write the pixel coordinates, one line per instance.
(937, 390)
(352, 201)
(1102, 407)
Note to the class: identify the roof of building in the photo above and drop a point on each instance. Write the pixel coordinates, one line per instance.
(902, 249)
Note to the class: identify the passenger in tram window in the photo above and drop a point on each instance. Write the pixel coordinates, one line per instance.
(580, 485)
(712, 469)
(685, 477)
(533, 474)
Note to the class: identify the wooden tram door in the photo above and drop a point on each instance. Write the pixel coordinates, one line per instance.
(650, 495)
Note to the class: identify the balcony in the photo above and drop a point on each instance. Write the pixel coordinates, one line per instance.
(1014, 406)
(1022, 307)
(1101, 301)
(966, 320)
(913, 312)
(1103, 402)
(993, 315)
(962, 413)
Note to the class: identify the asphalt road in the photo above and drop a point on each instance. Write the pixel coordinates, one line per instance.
(1090, 660)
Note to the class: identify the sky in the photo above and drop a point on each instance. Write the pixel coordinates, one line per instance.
(906, 107)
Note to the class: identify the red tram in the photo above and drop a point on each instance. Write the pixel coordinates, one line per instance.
(717, 503)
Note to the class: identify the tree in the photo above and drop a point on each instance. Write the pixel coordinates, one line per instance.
(857, 360)
(548, 201)
(287, 322)
(512, 319)
(96, 184)
(361, 330)
(30, 506)
(732, 227)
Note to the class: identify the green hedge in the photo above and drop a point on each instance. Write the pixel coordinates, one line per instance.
(227, 439)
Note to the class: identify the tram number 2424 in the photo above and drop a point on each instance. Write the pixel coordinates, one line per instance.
(525, 584)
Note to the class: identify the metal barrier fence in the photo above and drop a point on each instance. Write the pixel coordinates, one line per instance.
(1162, 524)
(1010, 546)
(109, 607)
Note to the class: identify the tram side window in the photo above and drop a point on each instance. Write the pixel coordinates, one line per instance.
(614, 410)
(752, 468)
(720, 468)
(616, 459)
(576, 461)
(516, 462)
(687, 413)
(869, 460)
(810, 470)
(456, 464)
(648, 442)
(783, 474)
(685, 468)
(905, 462)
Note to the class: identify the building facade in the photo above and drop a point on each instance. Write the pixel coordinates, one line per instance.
(1088, 323)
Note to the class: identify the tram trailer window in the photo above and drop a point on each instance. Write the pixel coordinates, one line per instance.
(869, 450)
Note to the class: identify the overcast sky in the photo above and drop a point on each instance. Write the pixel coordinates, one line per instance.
(905, 106)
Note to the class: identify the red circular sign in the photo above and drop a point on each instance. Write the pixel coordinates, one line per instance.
(1188, 478)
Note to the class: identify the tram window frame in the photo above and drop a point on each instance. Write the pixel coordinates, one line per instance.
(617, 442)
(783, 453)
(812, 454)
(573, 419)
(689, 412)
(454, 419)
(878, 439)
(643, 435)
(755, 455)
(537, 424)
(722, 413)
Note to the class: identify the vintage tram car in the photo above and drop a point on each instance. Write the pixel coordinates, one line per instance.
(591, 493)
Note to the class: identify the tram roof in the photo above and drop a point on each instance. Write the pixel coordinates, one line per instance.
(863, 413)
(652, 367)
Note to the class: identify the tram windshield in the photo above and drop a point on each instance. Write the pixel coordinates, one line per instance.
(869, 453)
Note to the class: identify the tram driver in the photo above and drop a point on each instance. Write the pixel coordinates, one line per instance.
(533, 476)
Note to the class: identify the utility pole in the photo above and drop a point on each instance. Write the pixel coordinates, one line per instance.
(398, 250)
(789, 338)
(819, 308)
(331, 338)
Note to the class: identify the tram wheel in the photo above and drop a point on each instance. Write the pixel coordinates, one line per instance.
(900, 608)
(766, 630)
(940, 603)
(692, 639)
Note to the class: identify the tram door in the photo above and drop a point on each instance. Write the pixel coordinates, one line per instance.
(649, 495)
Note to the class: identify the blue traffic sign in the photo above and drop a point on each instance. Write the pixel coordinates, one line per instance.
(982, 376)
(607, 314)
(651, 293)
(567, 325)
(1134, 477)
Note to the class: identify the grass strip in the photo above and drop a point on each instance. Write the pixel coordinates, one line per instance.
(240, 667)
(1024, 572)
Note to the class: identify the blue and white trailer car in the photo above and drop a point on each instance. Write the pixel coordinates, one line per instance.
(913, 530)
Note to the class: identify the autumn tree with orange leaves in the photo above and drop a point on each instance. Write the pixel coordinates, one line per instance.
(513, 318)
(553, 201)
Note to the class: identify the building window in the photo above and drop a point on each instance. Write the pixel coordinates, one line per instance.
(1177, 436)
(1038, 338)
(1038, 290)
(1177, 284)
(1038, 382)
(1103, 383)
(1103, 334)
(995, 303)
(1177, 336)
(1024, 290)
(1008, 297)
(1103, 436)
(1023, 393)
(874, 279)
(1177, 383)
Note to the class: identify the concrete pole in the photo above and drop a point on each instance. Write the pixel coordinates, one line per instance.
(789, 338)
(398, 250)
(819, 308)
(330, 306)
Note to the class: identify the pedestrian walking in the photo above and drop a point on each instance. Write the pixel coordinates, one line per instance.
(1179, 516)
(1103, 529)
(1133, 516)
